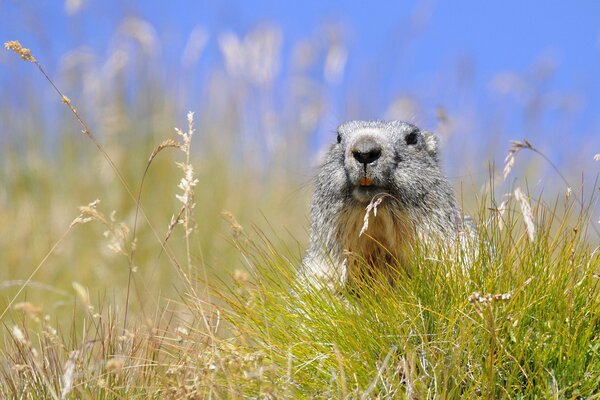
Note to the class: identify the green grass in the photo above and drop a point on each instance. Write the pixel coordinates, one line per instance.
(220, 313)
(428, 336)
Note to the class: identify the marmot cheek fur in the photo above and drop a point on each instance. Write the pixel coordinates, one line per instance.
(371, 159)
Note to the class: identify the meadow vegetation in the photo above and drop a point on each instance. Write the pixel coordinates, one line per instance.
(141, 262)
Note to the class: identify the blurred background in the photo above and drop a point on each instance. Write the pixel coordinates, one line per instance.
(269, 82)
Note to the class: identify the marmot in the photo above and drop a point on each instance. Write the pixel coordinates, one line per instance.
(397, 162)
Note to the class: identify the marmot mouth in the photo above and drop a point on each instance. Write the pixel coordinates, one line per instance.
(365, 193)
(366, 181)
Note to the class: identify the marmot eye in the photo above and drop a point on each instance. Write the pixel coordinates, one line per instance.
(412, 137)
(339, 138)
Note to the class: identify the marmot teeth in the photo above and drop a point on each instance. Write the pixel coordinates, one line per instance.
(366, 181)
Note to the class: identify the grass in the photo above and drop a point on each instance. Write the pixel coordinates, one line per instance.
(523, 321)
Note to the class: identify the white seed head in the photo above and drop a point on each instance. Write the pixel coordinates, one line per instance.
(526, 211)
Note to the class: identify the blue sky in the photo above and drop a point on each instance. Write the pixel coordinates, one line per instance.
(413, 47)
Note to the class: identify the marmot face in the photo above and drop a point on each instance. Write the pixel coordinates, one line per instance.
(394, 158)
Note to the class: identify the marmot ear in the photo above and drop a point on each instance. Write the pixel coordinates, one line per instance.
(431, 144)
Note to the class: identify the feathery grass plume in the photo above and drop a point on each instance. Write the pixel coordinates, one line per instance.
(82, 293)
(196, 43)
(163, 145)
(509, 161)
(19, 336)
(597, 157)
(335, 63)
(24, 53)
(526, 212)
(372, 206)
(117, 232)
(89, 213)
(256, 57)
(69, 374)
(188, 181)
(186, 184)
(29, 309)
(236, 228)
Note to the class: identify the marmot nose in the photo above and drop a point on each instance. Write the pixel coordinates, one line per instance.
(366, 152)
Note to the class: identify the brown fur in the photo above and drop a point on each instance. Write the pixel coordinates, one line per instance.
(382, 248)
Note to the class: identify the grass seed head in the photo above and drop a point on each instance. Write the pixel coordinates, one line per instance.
(236, 228)
(32, 311)
(526, 211)
(375, 202)
(69, 374)
(16, 47)
(115, 364)
(19, 336)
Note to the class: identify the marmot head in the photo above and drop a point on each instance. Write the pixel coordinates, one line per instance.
(378, 157)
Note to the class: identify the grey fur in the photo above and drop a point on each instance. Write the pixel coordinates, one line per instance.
(402, 166)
